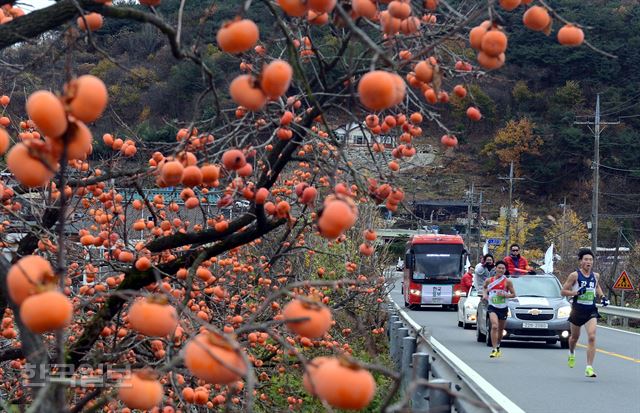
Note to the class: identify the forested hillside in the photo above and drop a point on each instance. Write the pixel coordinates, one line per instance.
(529, 106)
(178, 207)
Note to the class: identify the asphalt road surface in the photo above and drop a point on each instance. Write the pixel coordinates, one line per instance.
(536, 377)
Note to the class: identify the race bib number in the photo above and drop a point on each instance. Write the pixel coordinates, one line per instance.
(588, 298)
(498, 299)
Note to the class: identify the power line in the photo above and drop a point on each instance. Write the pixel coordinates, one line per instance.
(619, 194)
(627, 239)
(618, 169)
(620, 176)
(616, 108)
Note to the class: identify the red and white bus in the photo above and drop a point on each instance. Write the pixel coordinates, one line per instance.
(434, 265)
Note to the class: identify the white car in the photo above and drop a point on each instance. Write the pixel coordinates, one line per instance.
(467, 309)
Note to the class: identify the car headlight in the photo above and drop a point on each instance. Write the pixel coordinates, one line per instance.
(508, 313)
(414, 292)
(564, 312)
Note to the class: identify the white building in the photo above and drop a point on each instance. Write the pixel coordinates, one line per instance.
(354, 134)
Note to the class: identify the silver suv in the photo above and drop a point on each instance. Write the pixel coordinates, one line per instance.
(538, 313)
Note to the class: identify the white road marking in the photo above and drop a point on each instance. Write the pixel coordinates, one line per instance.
(617, 329)
(503, 401)
(477, 379)
(495, 394)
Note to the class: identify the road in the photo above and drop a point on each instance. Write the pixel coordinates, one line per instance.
(536, 377)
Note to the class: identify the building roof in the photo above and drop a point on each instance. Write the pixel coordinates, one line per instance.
(441, 202)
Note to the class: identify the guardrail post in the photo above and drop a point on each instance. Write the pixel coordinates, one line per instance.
(420, 371)
(393, 338)
(392, 319)
(408, 348)
(400, 335)
(439, 398)
(625, 322)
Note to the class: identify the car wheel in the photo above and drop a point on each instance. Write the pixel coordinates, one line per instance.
(479, 336)
(460, 324)
(564, 344)
(488, 335)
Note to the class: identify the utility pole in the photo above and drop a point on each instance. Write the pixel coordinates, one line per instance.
(614, 269)
(470, 196)
(478, 251)
(563, 234)
(508, 223)
(598, 127)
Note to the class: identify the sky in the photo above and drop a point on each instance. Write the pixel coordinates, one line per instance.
(30, 5)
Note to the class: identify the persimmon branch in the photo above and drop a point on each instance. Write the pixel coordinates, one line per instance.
(135, 280)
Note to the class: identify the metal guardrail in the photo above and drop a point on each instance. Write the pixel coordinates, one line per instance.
(435, 379)
(625, 313)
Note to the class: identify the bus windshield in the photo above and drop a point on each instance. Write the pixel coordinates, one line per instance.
(435, 262)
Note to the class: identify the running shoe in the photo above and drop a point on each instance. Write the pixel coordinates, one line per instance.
(572, 360)
(494, 354)
(498, 353)
(589, 372)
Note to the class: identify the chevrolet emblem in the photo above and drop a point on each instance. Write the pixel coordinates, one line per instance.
(534, 311)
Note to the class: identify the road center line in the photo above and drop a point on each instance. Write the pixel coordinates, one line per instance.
(612, 354)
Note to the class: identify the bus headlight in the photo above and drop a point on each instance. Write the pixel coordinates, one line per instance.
(414, 292)
(564, 312)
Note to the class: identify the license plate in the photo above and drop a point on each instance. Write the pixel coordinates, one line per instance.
(535, 325)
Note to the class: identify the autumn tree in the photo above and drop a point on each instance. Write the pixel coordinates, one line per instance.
(520, 230)
(217, 264)
(568, 233)
(514, 141)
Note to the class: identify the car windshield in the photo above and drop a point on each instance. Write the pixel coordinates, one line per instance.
(533, 286)
(437, 261)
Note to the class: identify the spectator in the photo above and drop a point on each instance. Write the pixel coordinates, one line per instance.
(483, 271)
(516, 264)
(467, 280)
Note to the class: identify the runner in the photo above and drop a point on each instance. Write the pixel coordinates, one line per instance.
(583, 286)
(497, 289)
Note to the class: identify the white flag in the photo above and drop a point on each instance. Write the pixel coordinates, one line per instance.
(485, 248)
(467, 265)
(547, 267)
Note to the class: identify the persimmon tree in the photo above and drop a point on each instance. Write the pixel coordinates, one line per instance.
(203, 308)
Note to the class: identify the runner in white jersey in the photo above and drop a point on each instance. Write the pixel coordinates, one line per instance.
(584, 287)
(496, 290)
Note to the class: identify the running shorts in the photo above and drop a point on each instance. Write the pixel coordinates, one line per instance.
(500, 312)
(580, 317)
